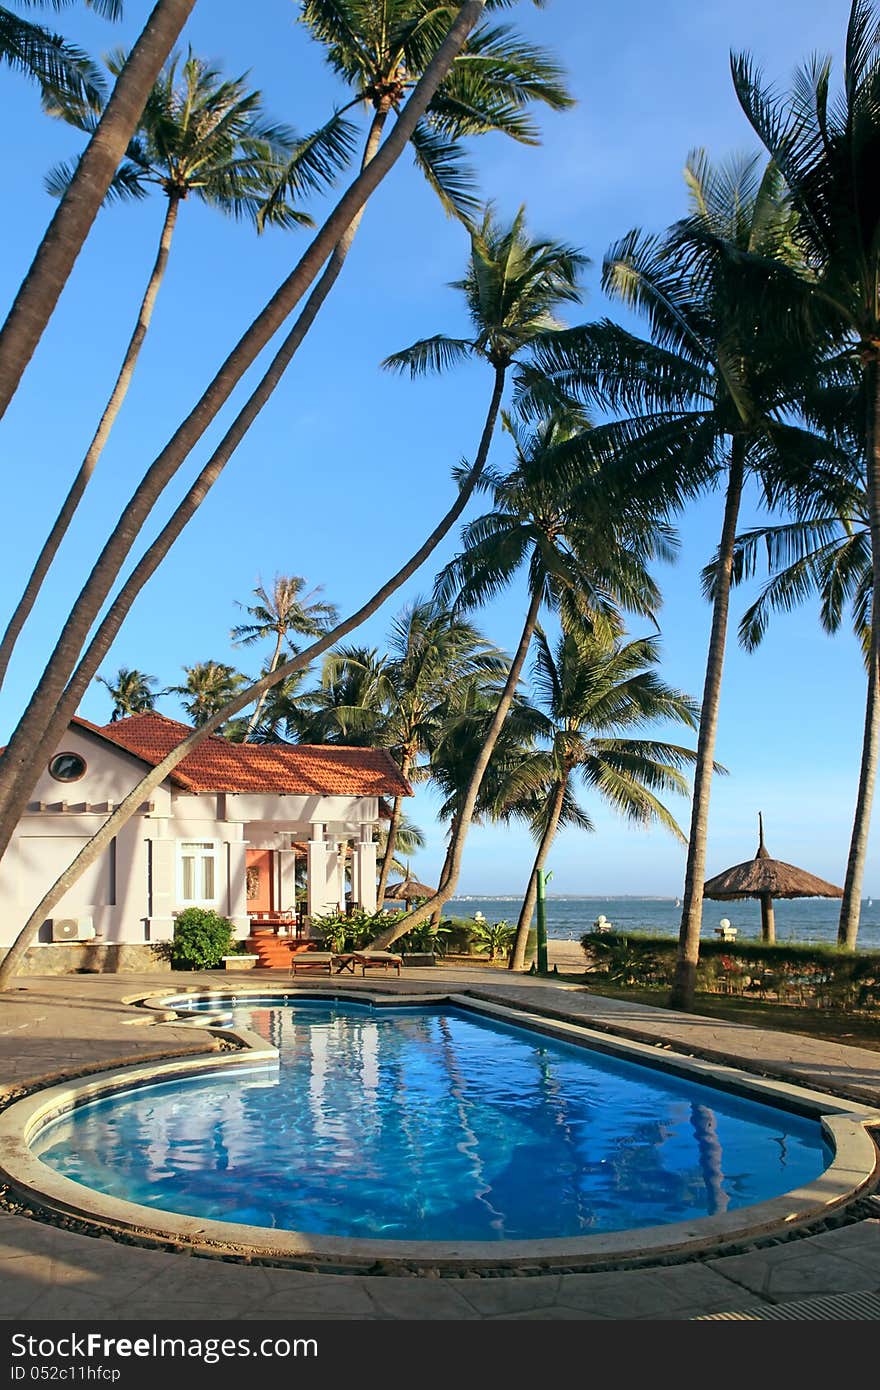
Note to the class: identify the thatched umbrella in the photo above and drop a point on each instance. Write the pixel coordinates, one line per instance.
(766, 878)
(408, 891)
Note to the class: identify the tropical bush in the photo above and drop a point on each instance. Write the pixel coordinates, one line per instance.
(459, 934)
(624, 962)
(424, 939)
(496, 938)
(352, 931)
(201, 939)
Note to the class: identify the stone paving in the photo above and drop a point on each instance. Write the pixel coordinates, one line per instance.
(57, 1026)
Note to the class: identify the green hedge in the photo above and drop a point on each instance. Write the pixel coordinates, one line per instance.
(809, 974)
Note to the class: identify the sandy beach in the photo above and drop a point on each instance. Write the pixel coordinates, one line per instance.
(568, 956)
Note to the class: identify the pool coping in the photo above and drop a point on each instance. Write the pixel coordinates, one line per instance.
(846, 1125)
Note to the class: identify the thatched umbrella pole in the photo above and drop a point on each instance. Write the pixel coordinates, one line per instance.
(768, 919)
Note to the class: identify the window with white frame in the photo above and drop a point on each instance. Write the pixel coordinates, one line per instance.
(197, 871)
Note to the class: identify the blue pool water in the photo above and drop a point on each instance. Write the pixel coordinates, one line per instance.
(433, 1124)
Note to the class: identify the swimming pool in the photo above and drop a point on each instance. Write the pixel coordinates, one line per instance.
(432, 1123)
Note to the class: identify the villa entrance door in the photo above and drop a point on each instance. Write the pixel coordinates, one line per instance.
(260, 869)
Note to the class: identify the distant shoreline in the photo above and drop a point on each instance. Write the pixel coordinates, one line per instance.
(568, 897)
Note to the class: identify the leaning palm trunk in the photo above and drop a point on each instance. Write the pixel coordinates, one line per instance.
(518, 954)
(437, 913)
(150, 561)
(452, 869)
(258, 707)
(313, 304)
(96, 448)
(39, 293)
(850, 909)
(393, 829)
(19, 766)
(684, 982)
(111, 827)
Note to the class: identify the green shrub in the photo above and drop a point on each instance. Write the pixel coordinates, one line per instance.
(459, 933)
(494, 937)
(341, 931)
(201, 939)
(425, 939)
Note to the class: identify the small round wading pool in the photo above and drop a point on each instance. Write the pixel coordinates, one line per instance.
(442, 1131)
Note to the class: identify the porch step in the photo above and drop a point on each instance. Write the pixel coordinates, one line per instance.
(273, 951)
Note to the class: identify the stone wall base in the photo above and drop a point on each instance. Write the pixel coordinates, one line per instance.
(93, 958)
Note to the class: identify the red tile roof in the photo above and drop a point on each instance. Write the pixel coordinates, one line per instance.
(258, 768)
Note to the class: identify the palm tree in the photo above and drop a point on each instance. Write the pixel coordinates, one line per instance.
(458, 742)
(827, 152)
(38, 294)
(63, 682)
(20, 763)
(594, 693)
(410, 839)
(61, 70)
(488, 89)
(278, 613)
(132, 693)
(825, 551)
(349, 705)
(583, 559)
(401, 700)
(201, 136)
(706, 401)
(380, 51)
(281, 716)
(434, 659)
(209, 685)
(511, 287)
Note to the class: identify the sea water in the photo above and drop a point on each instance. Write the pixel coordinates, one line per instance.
(568, 917)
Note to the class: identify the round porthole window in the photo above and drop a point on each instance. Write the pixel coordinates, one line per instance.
(67, 767)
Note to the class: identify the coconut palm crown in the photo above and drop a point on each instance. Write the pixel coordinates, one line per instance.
(62, 70)
(593, 693)
(132, 692)
(278, 612)
(204, 135)
(380, 51)
(209, 685)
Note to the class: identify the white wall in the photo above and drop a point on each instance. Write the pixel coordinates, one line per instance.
(131, 893)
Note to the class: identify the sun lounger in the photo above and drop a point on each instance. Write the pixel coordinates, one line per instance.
(385, 959)
(312, 962)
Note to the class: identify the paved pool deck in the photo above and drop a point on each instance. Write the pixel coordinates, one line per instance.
(55, 1027)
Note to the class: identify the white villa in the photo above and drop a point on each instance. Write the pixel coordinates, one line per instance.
(222, 831)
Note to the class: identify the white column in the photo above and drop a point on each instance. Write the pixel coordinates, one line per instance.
(365, 855)
(322, 894)
(355, 877)
(340, 869)
(287, 868)
(236, 909)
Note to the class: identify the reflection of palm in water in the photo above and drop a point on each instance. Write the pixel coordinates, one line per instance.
(781, 1140)
(705, 1128)
(471, 1145)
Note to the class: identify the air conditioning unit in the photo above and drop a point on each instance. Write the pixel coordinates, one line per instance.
(72, 929)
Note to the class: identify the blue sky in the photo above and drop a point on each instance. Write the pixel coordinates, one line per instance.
(347, 465)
